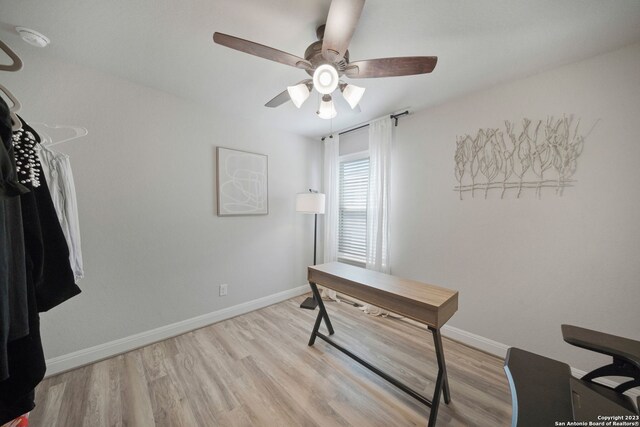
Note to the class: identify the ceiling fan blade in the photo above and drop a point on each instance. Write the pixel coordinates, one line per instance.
(391, 67)
(283, 96)
(341, 23)
(262, 51)
(279, 99)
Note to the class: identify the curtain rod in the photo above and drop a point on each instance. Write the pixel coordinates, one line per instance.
(391, 116)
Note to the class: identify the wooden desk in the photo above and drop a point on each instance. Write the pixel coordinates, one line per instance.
(428, 304)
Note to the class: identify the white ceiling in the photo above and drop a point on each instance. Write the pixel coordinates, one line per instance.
(167, 44)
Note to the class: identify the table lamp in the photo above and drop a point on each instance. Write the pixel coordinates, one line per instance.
(311, 203)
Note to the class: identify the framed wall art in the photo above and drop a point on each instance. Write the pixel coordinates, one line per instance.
(241, 182)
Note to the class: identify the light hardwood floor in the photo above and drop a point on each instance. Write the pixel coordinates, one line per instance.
(257, 370)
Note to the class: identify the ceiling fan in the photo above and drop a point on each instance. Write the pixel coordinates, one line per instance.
(327, 60)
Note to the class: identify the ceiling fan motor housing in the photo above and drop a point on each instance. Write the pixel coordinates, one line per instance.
(313, 54)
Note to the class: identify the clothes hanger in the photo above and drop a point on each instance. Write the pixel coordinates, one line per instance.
(17, 62)
(16, 123)
(49, 142)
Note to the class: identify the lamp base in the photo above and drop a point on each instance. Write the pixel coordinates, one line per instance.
(309, 304)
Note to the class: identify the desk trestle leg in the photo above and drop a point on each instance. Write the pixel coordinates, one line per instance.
(322, 314)
(442, 382)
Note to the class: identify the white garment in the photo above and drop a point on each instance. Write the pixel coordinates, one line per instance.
(57, 171)
(331, 189)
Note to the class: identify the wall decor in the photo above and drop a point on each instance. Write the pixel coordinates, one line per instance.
(540, 154)
(241, 182)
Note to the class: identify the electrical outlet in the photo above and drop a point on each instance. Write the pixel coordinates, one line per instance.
(223, 289)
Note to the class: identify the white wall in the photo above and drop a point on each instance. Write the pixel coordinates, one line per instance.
(154, 249)
(525, 266)
(354, 141)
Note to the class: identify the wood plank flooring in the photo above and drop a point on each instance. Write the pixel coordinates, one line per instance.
(257, 370)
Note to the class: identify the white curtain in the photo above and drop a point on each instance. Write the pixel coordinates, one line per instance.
(380, 140)
(330, 189)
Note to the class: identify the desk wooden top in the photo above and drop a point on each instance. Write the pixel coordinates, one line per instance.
(422, 302)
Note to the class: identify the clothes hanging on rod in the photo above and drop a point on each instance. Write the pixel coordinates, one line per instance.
(50, 279)
(21, 356)
(35, 271)
(14, 322)
(58, 279)
(56, 167)
(27, 164)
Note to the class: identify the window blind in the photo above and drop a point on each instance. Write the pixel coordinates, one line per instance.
(352, 221)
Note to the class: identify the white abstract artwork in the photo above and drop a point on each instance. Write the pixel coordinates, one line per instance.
(242, 183)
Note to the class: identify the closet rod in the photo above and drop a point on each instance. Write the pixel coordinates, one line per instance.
(391, 116)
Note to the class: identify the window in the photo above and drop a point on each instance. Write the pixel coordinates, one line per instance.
(352, 211)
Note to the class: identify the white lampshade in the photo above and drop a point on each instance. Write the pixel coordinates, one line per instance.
(353, 94)
(327, 110)
(311, 203)
(298, 94)
(325, 79)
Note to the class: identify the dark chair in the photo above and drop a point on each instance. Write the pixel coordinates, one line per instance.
(539, 389)
(624, 351)
(543, 392)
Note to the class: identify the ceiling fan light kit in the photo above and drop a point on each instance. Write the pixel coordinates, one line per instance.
(298, 94)
(328, 59)
(352, 94)
(325, 79)
(327, 110)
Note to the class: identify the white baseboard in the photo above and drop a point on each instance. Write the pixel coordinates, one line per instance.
(500, 350)
(481, 343)
(99, 352)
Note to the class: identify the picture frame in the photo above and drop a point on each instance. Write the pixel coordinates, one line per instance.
(241, 182)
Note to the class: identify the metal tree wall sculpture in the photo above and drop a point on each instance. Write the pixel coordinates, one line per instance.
(540, 155)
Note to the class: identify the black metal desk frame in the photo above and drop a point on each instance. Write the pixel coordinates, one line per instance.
(442, 383)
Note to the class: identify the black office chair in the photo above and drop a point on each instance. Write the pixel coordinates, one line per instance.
(543, 392)
(625, 353)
